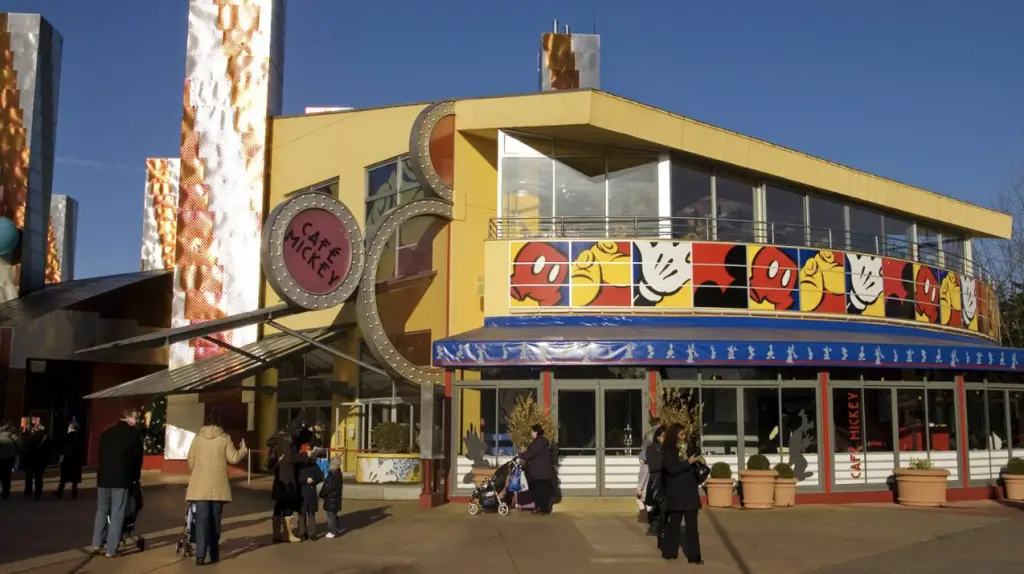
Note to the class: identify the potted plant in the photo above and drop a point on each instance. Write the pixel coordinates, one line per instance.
(785, 485)
(1013, 478)
(757, 483)
(921, 484)
(153, 434)
(525, 413)
(719, 486)
(392, 462)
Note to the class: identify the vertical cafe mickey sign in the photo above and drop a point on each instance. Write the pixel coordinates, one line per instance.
(312, 253)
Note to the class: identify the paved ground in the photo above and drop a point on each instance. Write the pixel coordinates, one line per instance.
(596, 537)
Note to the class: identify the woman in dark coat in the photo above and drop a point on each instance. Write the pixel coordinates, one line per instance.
(654, 494)
(682, 499)
(540, 472)
(285, 460)
(70, 462)
(35, 456)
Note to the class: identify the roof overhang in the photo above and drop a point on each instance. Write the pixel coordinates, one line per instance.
(599, 117)
(716, 341)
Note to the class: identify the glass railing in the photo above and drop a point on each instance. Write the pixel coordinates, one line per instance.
(727, 231)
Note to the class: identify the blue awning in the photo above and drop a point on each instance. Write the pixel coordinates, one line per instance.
(716, 341)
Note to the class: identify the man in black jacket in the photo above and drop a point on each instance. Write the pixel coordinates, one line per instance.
(120, 468)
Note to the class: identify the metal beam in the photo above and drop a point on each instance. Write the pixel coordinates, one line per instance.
(234, 349)
(330, 349)
(170, 336)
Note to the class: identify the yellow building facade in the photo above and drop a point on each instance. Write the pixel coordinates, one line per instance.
(554, 277)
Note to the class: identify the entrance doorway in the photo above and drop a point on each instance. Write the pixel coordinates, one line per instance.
(601, 425)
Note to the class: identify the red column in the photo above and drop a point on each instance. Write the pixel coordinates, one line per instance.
(826, 459)
(652, 386)
(961, 427)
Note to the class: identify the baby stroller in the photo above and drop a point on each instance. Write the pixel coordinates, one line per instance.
(492, 493)
(185, 546)
(132, 508)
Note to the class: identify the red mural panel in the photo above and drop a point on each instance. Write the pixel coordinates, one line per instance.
(926, 294)
(898, 284)
(720, 275)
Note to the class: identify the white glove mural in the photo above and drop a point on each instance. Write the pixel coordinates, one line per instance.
(865, 281)
(665, 267)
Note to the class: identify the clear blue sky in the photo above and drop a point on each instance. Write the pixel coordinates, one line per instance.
(925, 92)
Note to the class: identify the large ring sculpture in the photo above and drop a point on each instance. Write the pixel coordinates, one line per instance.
(367, 315)
(421, 145)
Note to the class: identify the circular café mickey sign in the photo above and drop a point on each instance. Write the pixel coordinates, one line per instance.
(312, 251)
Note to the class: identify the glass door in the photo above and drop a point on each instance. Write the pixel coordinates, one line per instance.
(600, 435)
(577, 441)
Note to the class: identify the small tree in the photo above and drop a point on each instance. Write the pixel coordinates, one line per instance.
(156, 420)
(682, 408)
(521, 418)
(391, 438)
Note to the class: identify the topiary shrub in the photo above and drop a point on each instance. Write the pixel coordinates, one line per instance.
(758, 462)
(721, 470)
(784, 470)
(391, 438)
(1015, 466)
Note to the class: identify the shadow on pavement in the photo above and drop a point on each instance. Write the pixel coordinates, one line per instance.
(362, 518)
(1014, 504)
(730, 546)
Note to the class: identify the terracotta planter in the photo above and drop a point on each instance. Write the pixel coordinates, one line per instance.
(1014, 486)
(921, 487)
(785, 492)
(758, 488)
(481, 473)
(152, 461)
(720, 492)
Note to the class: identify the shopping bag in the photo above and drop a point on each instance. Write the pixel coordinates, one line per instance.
(325, 466)
(524, 485)
(515, 481)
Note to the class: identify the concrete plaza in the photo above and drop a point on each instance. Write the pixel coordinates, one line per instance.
(593, 536)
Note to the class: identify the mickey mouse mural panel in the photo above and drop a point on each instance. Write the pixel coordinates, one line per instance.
(822, 281)
(539, 274)
(774, 278)
(663, 274)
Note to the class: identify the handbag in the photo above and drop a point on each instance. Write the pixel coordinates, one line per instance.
(524, 485)
(702, 471)
(515, 482)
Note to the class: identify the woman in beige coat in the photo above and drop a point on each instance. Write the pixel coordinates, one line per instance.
(208, 487)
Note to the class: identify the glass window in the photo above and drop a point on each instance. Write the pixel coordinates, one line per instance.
(577, 422)
(798, 430)
(624, 411)
(847, 420)
(877, 409)
(942, 420)
(827, 221)
(897, 237)
(734, 209)
(953, 253)
(865, 230)
(977, 430)
(927, 246)
(1016, 432)
(720, 427)
(761, 420)
(691, 203)
(632, 185)
(784, 213)
(580, 194)
(527, 188)
(910, 419)
(997, 428)
(382, 180)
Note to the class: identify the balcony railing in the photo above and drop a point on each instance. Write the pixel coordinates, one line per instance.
(726, 231)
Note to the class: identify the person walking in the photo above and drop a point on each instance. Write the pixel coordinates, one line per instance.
(643, 477)
(654, 494)
(35, 456)
(682, 499)
(9, 446)
(208, 486)
(70, 462)
(540, 472)
(120, 469)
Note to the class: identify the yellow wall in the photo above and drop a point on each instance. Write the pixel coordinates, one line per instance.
(497, 279)
(309, 149)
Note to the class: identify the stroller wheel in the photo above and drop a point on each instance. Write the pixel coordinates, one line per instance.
(141, 544)
(502, 509)
(473, 509)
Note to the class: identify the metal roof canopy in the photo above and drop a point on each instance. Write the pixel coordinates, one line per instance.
(60, 296)
(171, 336)
(225, 369)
